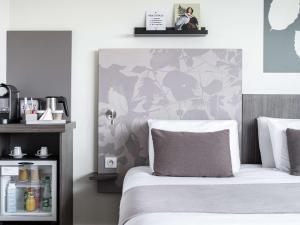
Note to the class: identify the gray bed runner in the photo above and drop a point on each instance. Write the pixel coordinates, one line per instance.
(229, 198)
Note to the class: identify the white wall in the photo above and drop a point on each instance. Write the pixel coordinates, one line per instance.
(109, 24)
(4, 23)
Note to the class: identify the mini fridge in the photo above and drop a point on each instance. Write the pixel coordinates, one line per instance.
(28, 190)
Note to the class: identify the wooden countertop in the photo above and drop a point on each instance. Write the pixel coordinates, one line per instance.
(36, 128)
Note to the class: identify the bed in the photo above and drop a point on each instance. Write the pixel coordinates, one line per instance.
(141, 177)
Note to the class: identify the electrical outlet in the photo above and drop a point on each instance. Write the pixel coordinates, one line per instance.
(111, 162)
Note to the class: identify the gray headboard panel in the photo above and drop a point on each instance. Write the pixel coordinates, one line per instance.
(142, 84)
(281, 106)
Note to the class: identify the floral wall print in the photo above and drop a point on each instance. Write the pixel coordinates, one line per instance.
(281, 36)
(142, 84)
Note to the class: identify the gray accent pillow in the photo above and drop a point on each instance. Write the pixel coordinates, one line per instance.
(293, 142)
(188, 154)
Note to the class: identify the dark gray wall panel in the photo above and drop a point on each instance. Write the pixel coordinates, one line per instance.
(281, 106)
(39, 62)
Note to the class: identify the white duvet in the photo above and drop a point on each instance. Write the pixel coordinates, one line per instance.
(249, 174)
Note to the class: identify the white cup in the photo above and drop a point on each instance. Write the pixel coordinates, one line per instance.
(17, 151)
(57, 114)
(43, 151)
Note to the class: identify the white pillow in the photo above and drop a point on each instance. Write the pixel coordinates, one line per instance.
(199, 126)
(277, 130)
(264, 140)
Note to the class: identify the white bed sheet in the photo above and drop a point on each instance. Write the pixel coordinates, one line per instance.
(248, 174)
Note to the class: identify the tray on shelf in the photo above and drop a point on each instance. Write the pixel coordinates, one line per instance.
(46, 122)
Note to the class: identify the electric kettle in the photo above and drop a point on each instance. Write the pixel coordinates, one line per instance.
(53, 101)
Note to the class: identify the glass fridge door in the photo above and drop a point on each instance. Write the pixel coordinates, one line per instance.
(28, 190)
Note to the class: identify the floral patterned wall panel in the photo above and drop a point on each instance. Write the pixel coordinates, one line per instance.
(182, 84)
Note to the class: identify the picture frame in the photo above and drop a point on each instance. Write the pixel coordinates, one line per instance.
(187, 16)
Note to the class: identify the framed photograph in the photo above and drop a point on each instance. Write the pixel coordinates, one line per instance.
(187, 16)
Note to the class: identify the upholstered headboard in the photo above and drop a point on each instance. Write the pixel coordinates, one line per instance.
(142, 84)
(281, 106)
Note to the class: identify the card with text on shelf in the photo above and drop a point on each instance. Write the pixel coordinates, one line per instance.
(155, 20)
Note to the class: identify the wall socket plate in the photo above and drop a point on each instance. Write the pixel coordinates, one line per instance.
(111, 162)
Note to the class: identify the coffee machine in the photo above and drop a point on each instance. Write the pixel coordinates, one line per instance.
(9, 104)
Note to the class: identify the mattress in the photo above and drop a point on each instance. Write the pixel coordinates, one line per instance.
(249, 174)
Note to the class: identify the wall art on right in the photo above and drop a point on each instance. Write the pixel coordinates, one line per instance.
(281, 36)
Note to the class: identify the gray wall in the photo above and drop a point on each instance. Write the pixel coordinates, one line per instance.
(39, 63)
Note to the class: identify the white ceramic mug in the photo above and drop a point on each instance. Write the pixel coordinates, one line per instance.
(17, 151)
(43, 151)
(57, 114)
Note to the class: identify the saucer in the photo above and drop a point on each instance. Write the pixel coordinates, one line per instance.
(18, 156)
(43, 156)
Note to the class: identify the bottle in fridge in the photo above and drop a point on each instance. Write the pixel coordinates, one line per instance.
(11, 198)
(30, 202)
(46, 197)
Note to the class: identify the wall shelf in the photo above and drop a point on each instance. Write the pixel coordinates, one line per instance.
(170, 31)
(103, 177)
(105, 182)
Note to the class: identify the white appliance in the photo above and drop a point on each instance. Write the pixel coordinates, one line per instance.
(37, 178)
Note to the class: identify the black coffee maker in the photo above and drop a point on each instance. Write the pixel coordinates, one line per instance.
(9, 104)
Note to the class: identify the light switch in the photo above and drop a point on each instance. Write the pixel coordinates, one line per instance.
(111, 162)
